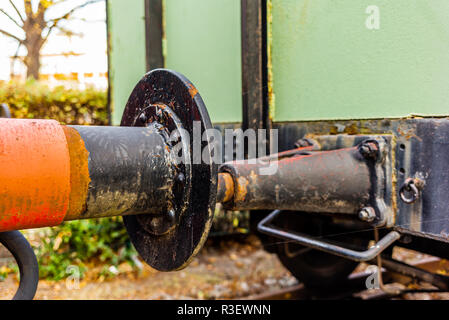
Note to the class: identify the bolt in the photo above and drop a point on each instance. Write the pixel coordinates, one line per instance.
(143, 118)
(369, 149)
(367, 214)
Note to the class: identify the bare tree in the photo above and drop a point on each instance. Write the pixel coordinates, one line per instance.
(37, 27)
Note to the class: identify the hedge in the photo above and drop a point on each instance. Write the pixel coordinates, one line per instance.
(33, 99)
(76, 242)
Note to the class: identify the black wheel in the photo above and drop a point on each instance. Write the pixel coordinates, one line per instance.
(316, 269)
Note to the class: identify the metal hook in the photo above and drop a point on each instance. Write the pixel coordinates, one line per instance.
(409, 186)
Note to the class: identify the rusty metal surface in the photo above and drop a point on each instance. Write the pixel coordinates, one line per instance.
(337, 181)
(419, 151)
(225, 187)
(175, 249)
(79, 173)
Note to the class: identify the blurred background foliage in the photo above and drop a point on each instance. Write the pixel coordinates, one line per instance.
(86, 244)
(32, 99)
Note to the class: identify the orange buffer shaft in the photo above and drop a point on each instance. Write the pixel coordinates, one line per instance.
(51, 173)
(34, 174)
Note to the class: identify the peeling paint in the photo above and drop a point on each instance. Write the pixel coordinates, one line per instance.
(79, 173)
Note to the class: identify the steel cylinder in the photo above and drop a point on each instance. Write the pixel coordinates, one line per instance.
(129, 171)
(335, 181)
(50, 173)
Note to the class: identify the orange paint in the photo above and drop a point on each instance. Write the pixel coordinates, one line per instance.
(192, 90)
(34, 174)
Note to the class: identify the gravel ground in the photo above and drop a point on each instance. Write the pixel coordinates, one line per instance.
(223, 270)
(229, 270)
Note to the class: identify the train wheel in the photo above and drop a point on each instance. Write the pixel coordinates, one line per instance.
(316, 269)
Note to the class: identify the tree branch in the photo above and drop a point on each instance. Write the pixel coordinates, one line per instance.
(17, 51)
(55, 21)
(68, 32)
(28, 9)
(11, 35)
(49, 31)
(18, 12)
(67, 15)
(10, 18)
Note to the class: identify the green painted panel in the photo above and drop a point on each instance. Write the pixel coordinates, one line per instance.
(328, 65)
(127, 64)
(203, 43)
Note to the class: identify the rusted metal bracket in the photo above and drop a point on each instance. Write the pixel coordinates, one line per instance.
(353, 181)
(318, 244)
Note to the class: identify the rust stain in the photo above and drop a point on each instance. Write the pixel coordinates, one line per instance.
(394, 181)
(253, 177)
(408, 134)
(79, 173)
(225, 186)
(192, 90)
(240, 193)
(350, 129)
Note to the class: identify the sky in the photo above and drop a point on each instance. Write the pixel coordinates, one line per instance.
(93, 43)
